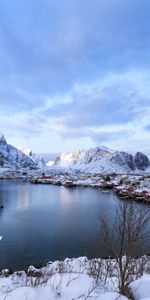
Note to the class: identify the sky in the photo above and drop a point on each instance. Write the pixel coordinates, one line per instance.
(75, 74)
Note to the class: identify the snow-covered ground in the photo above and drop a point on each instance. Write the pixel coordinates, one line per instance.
(59, 287)
(141, 288)
(71, 279)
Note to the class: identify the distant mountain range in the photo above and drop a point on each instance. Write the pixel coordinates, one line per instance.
(103, 160)
(94, 160)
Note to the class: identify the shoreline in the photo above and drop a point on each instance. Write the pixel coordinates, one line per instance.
(130, 187)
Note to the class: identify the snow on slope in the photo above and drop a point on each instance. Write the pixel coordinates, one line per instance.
(12, 158)
(103, 160)
(37, 158)
(25, 150)
(75, 282)
(42, 160)
(59, 287)
(141, 288)
(49, 158)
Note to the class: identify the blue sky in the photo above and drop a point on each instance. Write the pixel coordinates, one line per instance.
(75, 74)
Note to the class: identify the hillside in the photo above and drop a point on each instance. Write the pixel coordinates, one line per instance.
(12, 158)
(103, 160)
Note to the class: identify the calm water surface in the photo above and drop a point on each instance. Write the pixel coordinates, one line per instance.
(45, 222)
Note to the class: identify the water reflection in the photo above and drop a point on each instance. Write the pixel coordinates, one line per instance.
(23, 198)
(44, 222)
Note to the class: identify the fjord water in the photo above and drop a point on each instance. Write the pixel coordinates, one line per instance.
(45, 222)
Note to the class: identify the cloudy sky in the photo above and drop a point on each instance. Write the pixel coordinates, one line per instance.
(75, 74)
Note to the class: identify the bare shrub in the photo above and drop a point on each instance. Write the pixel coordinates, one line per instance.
(40, 279)
(126, 240)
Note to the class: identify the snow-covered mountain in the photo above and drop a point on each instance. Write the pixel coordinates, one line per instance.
(42, 160)
(94, 160)
(103, 160)
(11, 157)
(37, 158)
(25, 150)
(49, 158)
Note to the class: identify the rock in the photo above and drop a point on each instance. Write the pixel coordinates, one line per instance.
(20, 273)
(5, 273)
(2, 139)
(124, 160)
(141, 161)
(33, 272)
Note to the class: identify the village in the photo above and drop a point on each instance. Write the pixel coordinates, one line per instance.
(130, 187)
(134, 187)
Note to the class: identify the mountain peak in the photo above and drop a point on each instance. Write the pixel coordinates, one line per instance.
(25, 150)
(12, 158)
(103, 160)
(2, 138)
